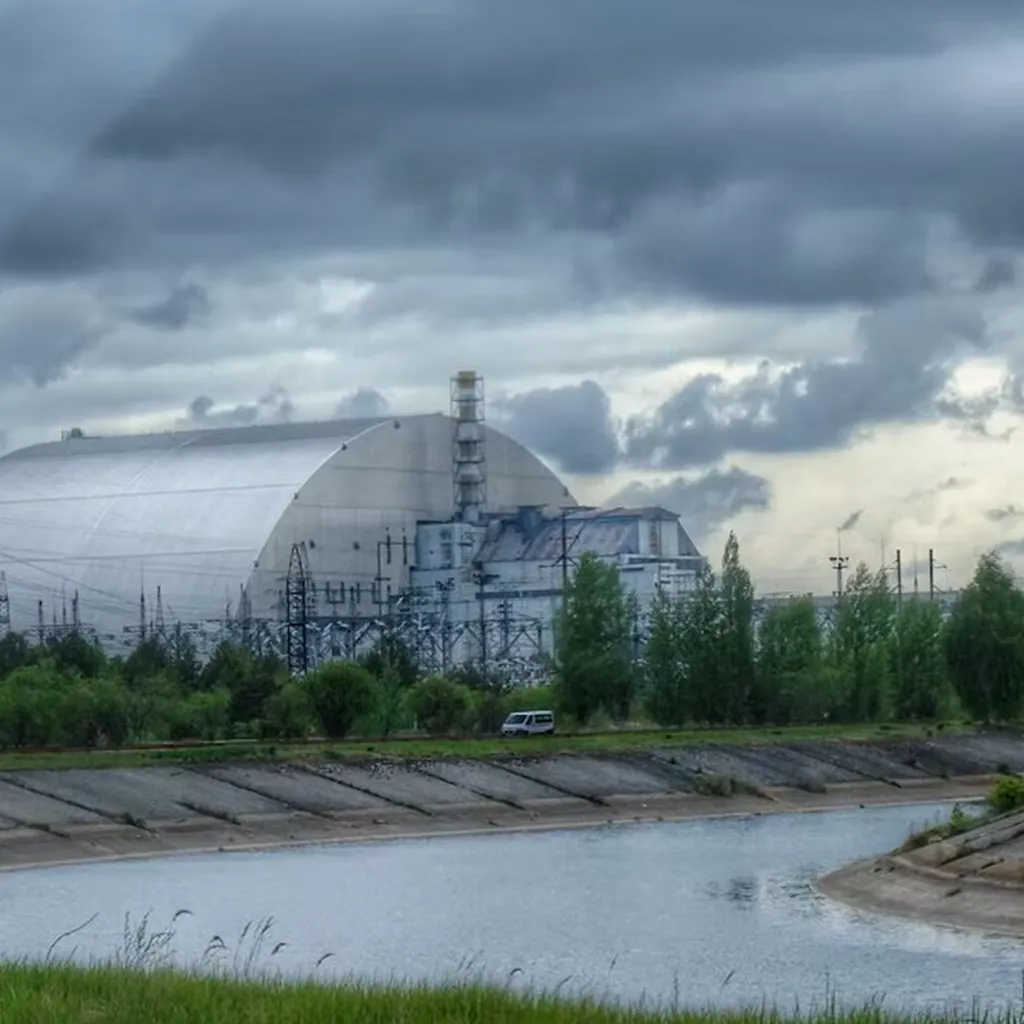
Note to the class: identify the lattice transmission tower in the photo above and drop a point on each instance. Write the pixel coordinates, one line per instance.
(300, 609)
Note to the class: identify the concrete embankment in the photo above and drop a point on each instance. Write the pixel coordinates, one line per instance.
(971, 881)
(63, 816)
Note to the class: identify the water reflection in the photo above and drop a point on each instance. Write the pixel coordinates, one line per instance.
(723, 911)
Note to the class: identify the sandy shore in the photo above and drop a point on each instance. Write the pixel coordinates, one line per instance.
(51, 846)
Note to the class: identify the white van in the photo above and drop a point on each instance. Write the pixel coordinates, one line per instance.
(529, 723)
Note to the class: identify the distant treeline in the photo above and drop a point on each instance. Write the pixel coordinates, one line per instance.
(704, 662)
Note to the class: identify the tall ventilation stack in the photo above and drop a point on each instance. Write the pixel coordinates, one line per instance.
(470, 477)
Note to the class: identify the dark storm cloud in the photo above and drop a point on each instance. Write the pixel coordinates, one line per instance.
(908, 351)
(363, 403)
(704, 503)
(185, 304)
(571, 425)
(273, 407)
(706, 148)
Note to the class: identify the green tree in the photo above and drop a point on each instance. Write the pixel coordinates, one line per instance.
(288, 713)
(791, 684)
(394, 658)
(14, 653)
(593, 633)
(864, 619)
(439, 705)
(736, 594)
(31, 711)
(921, 687)
(984, 643)
(249, 681)
(700, 646)
(666, 693)
(75, 654)
(340, 694)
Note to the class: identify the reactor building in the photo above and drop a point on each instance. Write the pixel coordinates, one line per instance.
(315, 539)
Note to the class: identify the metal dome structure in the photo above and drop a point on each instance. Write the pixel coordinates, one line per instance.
(208, 519)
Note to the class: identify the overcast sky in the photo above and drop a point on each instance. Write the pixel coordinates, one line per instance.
(759, 263)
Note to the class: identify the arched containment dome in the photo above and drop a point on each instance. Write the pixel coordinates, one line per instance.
(207, 516)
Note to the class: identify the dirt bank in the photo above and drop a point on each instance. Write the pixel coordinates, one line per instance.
(64, 816)
(973, 881)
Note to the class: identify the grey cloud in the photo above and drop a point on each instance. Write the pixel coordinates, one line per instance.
(273, 407)
(999, 272)
(908, 351)
(181, 307)
(572, 425)
(689, 144)
(44, 330)
(1005, 514)
(851, 521)
(363, 403)
(705, 502)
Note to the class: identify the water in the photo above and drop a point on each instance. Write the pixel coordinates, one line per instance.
(713, 911)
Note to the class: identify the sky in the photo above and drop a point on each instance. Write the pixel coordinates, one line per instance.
(757, 263)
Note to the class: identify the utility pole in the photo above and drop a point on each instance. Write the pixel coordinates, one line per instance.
(5, 606)
(839, 563)
(565, 556)
(932, 566)
(899, 578)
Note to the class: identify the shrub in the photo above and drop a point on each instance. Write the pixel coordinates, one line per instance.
(288, 714)
(440, 706)
(1007, 794)
(340, 694)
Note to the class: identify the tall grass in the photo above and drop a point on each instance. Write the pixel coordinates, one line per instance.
(61, 994)
(237, 982)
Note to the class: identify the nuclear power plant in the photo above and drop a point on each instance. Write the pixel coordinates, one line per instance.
(316, 539)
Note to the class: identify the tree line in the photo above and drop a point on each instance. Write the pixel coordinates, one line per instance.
(708, 659)
(66, 691)
(703, 658)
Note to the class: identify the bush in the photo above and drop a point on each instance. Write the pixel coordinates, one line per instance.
(440, 706)
(288, 714)
(1007, 794)
(340, 694)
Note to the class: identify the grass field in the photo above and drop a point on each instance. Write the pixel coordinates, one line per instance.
(102, 995)
(622, 741)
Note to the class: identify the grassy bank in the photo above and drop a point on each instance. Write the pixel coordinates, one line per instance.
(65, 995)
(623, 741)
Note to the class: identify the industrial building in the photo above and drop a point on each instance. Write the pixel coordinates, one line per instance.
(314, 538)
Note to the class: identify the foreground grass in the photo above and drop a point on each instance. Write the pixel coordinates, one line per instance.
(106, 995)
(624, 741)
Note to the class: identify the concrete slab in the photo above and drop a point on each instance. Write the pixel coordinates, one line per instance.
(1001, 751)
(869, 762)
(947, 759)
(33, 809)
(299, 789)
(598, 777)
(698, 762)
(404, 786)
(110, 792)
(494, 781)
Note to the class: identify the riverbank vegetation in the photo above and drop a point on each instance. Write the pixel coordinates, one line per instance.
(1005, 797)
(67, 995)
(705, 661)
